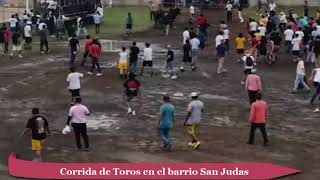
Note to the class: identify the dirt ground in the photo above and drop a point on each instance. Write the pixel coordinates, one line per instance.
(40, 81)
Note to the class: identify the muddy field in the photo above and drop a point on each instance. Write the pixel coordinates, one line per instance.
(40, 81)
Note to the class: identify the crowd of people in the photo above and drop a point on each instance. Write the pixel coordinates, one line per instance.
(262, 39)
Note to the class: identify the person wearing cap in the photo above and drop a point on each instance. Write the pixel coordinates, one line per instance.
(39, 128)
(193, 119)
(78, 119)
(132, 90)
(258, 117)
(166, 122)
(253, 86)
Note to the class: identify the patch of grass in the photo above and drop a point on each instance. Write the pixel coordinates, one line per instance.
(114, 21)
(299, 10)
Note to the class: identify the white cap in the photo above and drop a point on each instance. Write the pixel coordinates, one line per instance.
(194, 94)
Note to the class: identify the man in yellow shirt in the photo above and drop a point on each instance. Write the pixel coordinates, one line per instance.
(240, 45)
(263, 21)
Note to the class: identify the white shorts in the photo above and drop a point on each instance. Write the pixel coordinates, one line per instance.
(16, 48)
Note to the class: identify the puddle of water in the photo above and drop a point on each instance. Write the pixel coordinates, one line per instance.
(102, 121)
(216, 97)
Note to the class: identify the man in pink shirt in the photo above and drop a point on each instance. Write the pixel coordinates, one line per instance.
(253, 86)
(258, 116)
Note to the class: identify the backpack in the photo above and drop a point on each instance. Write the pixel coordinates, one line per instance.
(249, 61)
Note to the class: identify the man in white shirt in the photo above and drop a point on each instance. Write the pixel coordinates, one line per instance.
(219, 39)
(186, 35)
(288, 37)
(296, 41)
(229, 11)
(253, 26)
(27, 36)
(193, 119)
(262, 30)
(97, 22)
(192, 11)
(147, 59)
(301, 73)
(272, 6)
(74, 84)
(300, 33)
(195, 44)
(78, 118)
(13, 23)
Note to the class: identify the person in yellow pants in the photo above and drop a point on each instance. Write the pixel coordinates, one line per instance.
(193, 119)
(39, 128)
(123, 64)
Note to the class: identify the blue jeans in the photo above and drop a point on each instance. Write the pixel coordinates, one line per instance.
(164, 135)
(194, 55)
(300, 80)
(133, 67)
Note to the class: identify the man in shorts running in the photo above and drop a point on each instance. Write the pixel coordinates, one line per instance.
(39, 128)
(147, 59)
(74, 84)
(132, 90)
(193, 119)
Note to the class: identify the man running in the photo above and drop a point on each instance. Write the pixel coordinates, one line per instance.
(78, 119)
(132, 90)
(95, 52)
(133, 59)
(39, 128)
(74, 46)
(195, 44)
(193, 119)
(87, 44)
(253, 86)
(300, 77)
(16, 44)
(123, 63)
(147, 59)
(74, 84)
(166, 122)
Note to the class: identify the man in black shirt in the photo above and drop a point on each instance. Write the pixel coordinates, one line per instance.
(169, 66)
(39, 128)
(132, 90)
(16, 44)
(74, 45)
(133, 60)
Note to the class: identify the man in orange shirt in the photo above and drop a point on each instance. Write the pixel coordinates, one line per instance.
(87, 44)
(258, 116)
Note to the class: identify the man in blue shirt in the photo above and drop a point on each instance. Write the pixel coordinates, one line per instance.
(97, 21)
(166, 121)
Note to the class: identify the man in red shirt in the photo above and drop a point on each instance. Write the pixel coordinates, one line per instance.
(87, 44)
(95, 52)
(258, 116)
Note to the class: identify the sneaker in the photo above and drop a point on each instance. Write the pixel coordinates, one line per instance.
(134, 113)
(196, 145)
(42, 52)
(129, 110)
(90, 73)
(174, 77)
(86, 150)
(169, 146)
(99, 74)
(242, 83)
(316, 110)
(190, 143)
(20, 56)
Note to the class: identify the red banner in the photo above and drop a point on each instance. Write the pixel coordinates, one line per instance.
(36, 170)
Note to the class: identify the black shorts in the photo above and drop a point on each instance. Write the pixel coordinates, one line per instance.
(247, 71)
(75, 92)
(240, 51)
(129, 26)
(296, 53)
(28, 40)
(147, 63)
